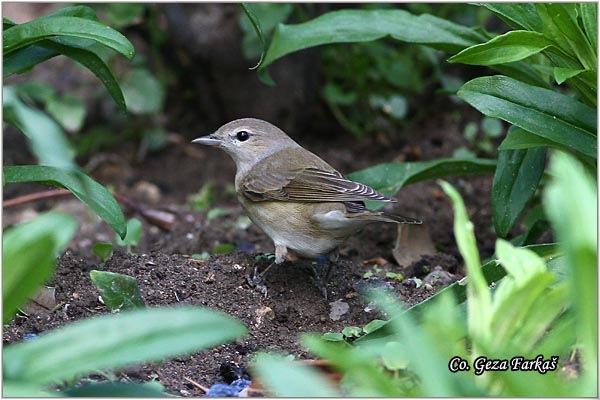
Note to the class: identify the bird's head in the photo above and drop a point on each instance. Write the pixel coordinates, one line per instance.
(248, 140)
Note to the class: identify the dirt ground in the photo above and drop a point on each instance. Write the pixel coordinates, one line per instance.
(167, 274)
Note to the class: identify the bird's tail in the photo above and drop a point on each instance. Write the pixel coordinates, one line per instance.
(384, 217)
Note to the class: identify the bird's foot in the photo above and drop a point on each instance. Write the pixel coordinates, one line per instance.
(322, 280)
(257, 279)
(257, 283)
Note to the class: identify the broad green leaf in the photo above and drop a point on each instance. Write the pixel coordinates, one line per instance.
(284, 378)
(518, 138)
(90, 192)
(347, 26)
(562, 74)
(546, 113)
(570, 201)
(117, 340)
(22, 35)
(72, 47)
(589, 17)
(390, 177)
(479, 304)
(29, 252)
(25, 59)
(510, 47)
(48, 141)
(515, 182)
(119, 292)
(117, 389)
(517, 15)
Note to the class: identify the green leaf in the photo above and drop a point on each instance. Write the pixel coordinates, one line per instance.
(479, 303)
(25, 59)
(28, 254)
(284, 378)
(73, 48)
(103, 250)
(248, 10)
(21, 389)
(22, 35)
(570, 201)
(90, 192)
(562, 74)
(517, 15)
(373, 325)
(515, 182)
(119, 292)
(510, 47)
(48, 141)
(117, 340)
(589, 17)
(346, 26)
(134, 234)
(143, 92)
(551, 115)
(518, 138)
(388, 178)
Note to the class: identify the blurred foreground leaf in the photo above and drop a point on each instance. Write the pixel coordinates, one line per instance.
(117, 340)
(29, 251)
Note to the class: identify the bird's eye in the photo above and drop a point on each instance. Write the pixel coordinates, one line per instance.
(242, 136)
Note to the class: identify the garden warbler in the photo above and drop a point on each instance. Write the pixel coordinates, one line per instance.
(302, 203)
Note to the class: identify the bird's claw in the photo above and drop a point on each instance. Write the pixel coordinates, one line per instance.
(257, 282)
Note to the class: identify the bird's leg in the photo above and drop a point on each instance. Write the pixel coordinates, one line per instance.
(257, 280)
(321, 280)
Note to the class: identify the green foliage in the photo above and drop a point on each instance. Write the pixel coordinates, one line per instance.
(391, 177)
(90, 192)
(119, 292)
(286, 379)
(48, 141)
(134, 234)
(550, 42)
(71, 31)
(113, 341)
(528, 314)
(29, 251)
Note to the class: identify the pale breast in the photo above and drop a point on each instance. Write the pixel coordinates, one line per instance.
(308, 229)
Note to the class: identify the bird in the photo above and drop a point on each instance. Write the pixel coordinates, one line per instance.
(303, 204)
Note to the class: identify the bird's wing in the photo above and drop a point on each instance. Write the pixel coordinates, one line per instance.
(309, 185)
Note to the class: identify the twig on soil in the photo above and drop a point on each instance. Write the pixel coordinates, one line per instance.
(161, 219)
(199, 386)
(34, 196)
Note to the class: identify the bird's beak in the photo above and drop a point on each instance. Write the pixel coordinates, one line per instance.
(209, 140)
